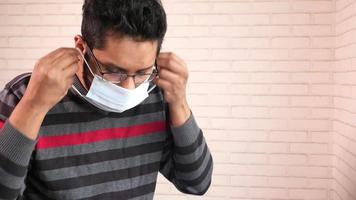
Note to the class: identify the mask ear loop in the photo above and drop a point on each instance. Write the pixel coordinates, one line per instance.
(86, 62)
(150, 89)
(154, 85)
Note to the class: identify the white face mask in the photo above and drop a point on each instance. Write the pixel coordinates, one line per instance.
(112, 98)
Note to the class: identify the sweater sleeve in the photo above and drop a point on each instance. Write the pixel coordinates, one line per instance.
(15, 148)
(186, 160)
(15, 153)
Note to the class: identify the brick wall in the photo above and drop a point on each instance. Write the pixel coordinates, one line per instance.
(271, 84)
(344, 98)
(261, 87)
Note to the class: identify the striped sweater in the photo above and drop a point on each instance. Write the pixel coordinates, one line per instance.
(85, 153)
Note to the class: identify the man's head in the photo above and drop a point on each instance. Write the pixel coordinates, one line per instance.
(124, 35)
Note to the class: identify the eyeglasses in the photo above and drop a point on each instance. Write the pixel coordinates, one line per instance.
(118, 77)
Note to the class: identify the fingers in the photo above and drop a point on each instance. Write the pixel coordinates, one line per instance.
(170, 82)
(172, 63)
(65, 60)
(69, 82)
(168, 75)
(54, 55)
(64, 64)
(173, 74)
(170, 55)
(164, 84)
(68, 75)
(71, 70)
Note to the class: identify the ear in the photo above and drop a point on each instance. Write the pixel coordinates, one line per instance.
(80, 43)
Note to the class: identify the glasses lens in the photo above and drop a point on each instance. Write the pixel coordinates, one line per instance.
(115, 77)
(142, 78)
(147, 77)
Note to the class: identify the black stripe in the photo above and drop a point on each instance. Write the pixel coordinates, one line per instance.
(166, 155)
(95, 157)
(8, 193)
(21, 197)
(191, 148)
(168, 145)
(5, 109)
(78, 117)
(11, 167)
(125, 194)
(202, 192)
(115, 175)
(36, 189)
(201, 178)
(34, 196)
(192, 166)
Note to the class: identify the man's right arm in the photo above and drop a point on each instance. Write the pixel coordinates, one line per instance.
(15, 147)
(15, 153)
(22, 113)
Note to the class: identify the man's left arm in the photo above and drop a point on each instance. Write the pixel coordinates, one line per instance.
(186, 160)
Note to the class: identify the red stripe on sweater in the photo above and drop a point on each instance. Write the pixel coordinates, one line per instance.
(99, 135)
(1, 124)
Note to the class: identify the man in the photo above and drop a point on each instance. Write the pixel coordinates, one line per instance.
(90, 123)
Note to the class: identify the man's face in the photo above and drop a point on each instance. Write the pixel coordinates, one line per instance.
(124, 55)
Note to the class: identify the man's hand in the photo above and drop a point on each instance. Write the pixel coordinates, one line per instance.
(51, 78)
(173, 78)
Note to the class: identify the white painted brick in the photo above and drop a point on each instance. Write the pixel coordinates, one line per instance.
(272, 84)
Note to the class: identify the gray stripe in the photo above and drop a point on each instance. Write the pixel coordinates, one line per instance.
(10, 100)
(3, 118)
(114, 186)
(104, 123)
(192, 157)
(20, 78)
(186, 134)
(95, 168)
(196, 173)
(7, 98)
(4, 93)
(203, 185)
(10, 181)
(6, 103)
(99, 146)
(20, 91)
(71, 106)
(15, 146)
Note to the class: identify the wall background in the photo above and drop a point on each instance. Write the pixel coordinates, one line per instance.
(344, 102)
(272, 83)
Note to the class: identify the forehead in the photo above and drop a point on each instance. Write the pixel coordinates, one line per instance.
(127, 53)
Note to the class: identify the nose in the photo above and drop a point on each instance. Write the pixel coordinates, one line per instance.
(129, 83)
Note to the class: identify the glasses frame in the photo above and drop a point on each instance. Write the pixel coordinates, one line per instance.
(151, 77)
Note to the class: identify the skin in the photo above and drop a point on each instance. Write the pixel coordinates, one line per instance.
(53, 75)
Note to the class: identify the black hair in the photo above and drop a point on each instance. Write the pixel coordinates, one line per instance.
(141, 20)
